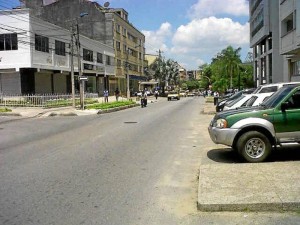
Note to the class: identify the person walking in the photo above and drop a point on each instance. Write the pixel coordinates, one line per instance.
(156, 94)
(117, 94)
(105, 94)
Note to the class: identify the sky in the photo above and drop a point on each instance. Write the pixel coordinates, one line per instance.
(190, 32)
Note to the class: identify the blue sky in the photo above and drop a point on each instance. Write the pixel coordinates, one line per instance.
(190, 32)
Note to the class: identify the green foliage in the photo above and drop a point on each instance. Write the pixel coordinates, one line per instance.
(227, 71)
(5, 110)
(109, 105)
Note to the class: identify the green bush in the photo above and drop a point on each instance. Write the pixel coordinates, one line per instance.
(109, 105)
(5, 110)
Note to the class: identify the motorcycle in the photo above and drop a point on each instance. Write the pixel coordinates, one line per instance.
(143, 102)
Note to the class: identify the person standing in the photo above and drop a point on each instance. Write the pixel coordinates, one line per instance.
(105, 94)
(117, 93)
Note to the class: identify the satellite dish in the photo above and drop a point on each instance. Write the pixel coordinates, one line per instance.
(106, 4)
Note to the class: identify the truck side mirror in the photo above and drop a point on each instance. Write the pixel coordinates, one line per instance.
(284, 106)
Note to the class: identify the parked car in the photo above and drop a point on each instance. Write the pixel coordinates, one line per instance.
(272, 87)
(182, 94)
(173, 95)
(266, 88)
(221, 103)
(255, 131)
(247, 100)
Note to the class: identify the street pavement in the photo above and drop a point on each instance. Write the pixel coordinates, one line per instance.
(226, 185)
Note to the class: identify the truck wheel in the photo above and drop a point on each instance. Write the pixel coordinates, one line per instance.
(254, 146)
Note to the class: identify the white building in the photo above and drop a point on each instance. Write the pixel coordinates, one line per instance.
(289, 15)
(35, 57)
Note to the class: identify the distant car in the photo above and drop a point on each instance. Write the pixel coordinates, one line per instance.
(182, 94)
(247, 100)
(173, 95)
(190, 94)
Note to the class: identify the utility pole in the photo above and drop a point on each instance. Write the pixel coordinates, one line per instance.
(72, 67)
(127, 74)
(79, 69)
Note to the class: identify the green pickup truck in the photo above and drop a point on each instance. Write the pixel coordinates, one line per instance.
(255, 131)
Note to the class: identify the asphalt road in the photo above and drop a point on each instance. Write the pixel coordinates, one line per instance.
(137, 166)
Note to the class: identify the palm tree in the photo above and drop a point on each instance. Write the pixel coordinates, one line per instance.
(231, 58)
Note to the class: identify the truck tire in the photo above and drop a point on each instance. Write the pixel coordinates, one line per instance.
(254, 146)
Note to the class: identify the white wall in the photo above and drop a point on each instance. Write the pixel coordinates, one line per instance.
(16, 22)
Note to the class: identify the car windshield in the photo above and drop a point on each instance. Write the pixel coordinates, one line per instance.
(236, 100)
(274, 99)
(236, 95)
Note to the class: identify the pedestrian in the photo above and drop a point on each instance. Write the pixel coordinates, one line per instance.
(105, 94)
(144, 99)
(117, 94)
(156, 94)
(216, 97)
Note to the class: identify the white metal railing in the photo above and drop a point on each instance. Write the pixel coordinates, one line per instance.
(42, 100)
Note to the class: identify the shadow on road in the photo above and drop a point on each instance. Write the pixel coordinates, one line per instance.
(282, 154)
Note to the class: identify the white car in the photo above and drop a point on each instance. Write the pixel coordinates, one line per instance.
(248, 100)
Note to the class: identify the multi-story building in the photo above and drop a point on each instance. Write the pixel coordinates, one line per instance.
(110, 26)
(289, 13)
(36, 56)
(264, 39)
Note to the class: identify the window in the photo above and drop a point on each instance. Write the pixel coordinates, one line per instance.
(41, 43)
(124, 48)
(60, 48)
(118, 28)
(296, 68)
(118, 46)
(87, 55)
(124, 32)
(108, 61)
(119, 63)
(8, 42)
(99, 58)
(287, 24)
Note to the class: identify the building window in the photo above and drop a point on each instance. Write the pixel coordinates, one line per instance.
(124, 32)
(296, 68)
(118, 28)
(118, 46)
(124, 48)
(108, 61)
(60, 48)
(119, 63)
(287, 24)
(8, 42)
(41, 43)
(99, 58)
(87, 55)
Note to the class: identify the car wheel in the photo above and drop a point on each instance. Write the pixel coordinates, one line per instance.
(254, 146)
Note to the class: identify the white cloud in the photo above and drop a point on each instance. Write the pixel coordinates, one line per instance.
(157, 39)
(207, 37)
(206, 8)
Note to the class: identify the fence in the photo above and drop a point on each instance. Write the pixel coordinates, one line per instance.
(44, 100)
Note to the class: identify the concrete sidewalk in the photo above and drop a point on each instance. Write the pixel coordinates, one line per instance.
(229, 184)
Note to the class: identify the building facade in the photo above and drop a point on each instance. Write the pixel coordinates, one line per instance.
(289, 16)
(36, 57)
(268, 63)
(110, 26)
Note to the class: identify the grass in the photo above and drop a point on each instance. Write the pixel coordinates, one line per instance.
(109, 105)
(5, 110)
